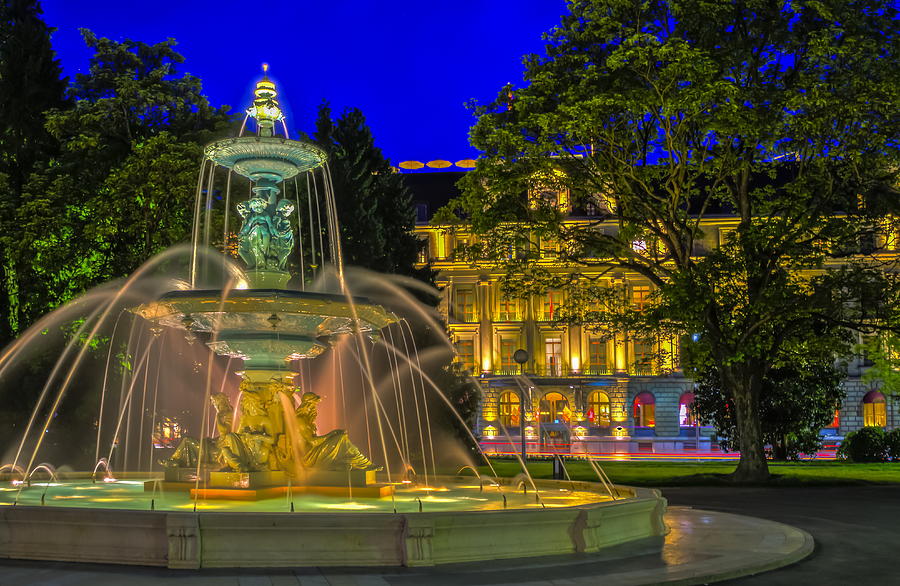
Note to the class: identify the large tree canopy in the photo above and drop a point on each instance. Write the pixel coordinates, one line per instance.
(374, 206)
(30, 84)
(122, 186)
(666, 114)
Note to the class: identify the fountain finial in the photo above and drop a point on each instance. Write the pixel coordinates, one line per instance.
(265, 108)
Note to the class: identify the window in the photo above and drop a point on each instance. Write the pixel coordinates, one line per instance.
(509, 409)
(553, 356)
(465, 305)
(591, 210)
(168, 433)
(645, 410)
(459, 250)
(874, 410)
(423, 249)
(598, 409)
(643, 357)
(548, 197)
(465, 353)
(686, 411)
(552, 301)
(597, 356)
(554, 409)
(640, 297)
(507, 349)
(421, 212)
(508, 309)
(549, 248)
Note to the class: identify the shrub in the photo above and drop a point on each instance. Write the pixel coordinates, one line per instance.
(892, 443)
(867, 444)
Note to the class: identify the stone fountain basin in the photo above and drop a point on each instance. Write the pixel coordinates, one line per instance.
(268, 157)
(247, 310)
(209, 539)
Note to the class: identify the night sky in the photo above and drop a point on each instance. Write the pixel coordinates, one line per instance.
(410, 65)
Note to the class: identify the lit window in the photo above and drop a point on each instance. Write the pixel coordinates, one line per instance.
(555, 409)
(598, 409)
(465, 305)
(643, 357)
(597, 356)
(553, 355)
(591, 210)
(640, 297)
(874, 410)
(552, 301)
(686, 411)
(459, 250)
(645, 410)
(508, 309)
(423, 249)
(550, 247)
(509, 409)
(465, 352)
(507, 349)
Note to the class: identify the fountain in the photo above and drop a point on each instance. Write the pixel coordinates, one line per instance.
(255, 483)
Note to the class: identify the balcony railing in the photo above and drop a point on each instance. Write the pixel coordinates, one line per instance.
(562, 371)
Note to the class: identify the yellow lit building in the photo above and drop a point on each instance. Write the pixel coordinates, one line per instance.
(578, 390)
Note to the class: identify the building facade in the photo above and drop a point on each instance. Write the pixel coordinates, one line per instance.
(569, 388)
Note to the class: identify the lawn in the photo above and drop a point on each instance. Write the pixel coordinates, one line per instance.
(645, 473)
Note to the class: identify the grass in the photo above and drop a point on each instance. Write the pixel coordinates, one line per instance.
(645, 473)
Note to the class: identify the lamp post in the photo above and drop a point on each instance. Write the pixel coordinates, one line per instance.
(521, 357)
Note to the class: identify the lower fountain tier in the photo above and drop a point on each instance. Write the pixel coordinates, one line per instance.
(251, 486)
(266, 326)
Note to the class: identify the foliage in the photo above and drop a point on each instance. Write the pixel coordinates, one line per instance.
(892, 444)
(867, 444)
(656, 474)
(664, 115)
(884, 353)
(30, 84)
(374, 205)
(122, 187)
(797, 399)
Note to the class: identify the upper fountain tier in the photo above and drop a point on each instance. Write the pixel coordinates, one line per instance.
(266, 157)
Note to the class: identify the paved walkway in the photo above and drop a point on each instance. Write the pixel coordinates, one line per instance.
(702, 546)
(856, 529)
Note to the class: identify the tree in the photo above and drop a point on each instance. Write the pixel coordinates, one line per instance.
(31, 83)
(663, 114)
(374, 205)
(798, 398)
(883, 351)
(122, 186)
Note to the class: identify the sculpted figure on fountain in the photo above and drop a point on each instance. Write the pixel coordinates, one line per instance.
(266, 237)
(332, 451)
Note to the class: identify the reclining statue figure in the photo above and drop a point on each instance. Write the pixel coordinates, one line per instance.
(332, 451)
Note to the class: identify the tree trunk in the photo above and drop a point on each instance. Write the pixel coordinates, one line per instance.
(744, 385)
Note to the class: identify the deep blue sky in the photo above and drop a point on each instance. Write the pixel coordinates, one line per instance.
(410, 65)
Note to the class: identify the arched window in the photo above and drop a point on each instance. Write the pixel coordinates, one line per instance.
(686, 411)
(874, 410)
(598, 409)
(554, 408)
(509, 409)
(645, 410)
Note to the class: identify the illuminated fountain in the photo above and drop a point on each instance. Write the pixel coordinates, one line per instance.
(380, 498)
(269, 327)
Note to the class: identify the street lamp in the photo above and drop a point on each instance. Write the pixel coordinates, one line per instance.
(521, 357)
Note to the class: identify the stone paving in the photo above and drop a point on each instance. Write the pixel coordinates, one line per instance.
(702, 546)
